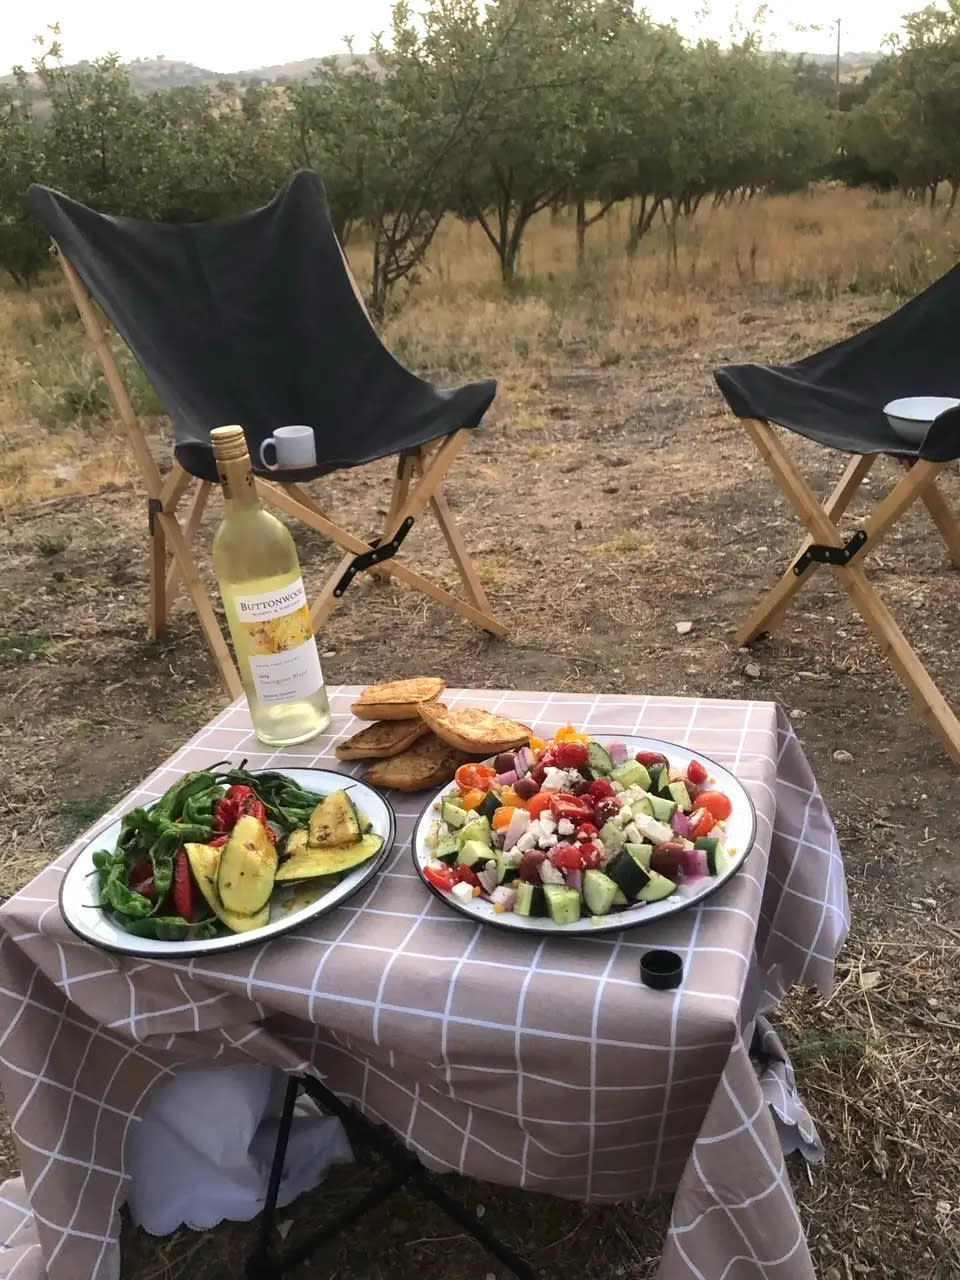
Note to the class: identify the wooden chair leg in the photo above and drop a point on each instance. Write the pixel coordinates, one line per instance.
(942, 515)
(456, 546)
(194, 516)
(323, 607)
(406, 467)
(932, 704)
(159, 599)
(769, 612)
(201, 603)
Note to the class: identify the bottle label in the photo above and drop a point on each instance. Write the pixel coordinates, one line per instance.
(284, 663)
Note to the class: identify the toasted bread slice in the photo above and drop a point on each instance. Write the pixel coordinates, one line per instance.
(428, 763)
(381, 740)
(397, 699)
(473, 729)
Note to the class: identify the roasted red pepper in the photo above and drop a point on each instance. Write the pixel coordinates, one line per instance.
(239, 802)
(140, 878)
(186, 895)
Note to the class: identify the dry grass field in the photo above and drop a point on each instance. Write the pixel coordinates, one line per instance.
(608, 496)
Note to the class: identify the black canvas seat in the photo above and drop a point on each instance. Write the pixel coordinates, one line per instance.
(837, 397)
(256, 319)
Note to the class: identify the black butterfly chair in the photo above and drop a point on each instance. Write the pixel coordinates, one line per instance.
(837, 398)
(257, 320)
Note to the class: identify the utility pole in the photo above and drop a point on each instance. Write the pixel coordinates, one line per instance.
(837, 77)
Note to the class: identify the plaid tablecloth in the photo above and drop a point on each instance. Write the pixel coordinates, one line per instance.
(539, 1064)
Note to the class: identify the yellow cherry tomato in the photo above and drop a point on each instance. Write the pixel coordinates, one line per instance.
(502, 817)
(474, 799)
(569, 734)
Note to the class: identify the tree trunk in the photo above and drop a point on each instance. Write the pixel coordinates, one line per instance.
(377, 301)
(954, 189)
(581, 234)
(641, 222)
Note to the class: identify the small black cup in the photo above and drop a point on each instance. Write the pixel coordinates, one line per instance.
(662, 970)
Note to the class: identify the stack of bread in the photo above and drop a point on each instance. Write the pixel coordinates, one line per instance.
(416, 741)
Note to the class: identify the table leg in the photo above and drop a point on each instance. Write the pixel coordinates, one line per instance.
(261, 1264)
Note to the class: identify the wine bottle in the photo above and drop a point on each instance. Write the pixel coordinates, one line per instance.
(255, 560)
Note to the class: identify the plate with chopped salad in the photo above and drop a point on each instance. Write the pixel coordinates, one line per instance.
(226, 858)
(584, 835)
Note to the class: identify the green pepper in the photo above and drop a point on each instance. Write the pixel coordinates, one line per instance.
(172, 928)
(198, 809)
(161, 857)
(115, 893)
(170, 805)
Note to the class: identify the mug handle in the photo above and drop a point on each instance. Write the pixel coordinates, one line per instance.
(271, 466)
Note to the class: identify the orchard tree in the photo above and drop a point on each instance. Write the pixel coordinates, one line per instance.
(23, 247)
(529, 139)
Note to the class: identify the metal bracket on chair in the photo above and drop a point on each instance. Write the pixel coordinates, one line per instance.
(830, 555)
(154, 508)
(381, 551)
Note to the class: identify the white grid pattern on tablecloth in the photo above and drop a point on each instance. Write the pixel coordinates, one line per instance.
(528, 1061)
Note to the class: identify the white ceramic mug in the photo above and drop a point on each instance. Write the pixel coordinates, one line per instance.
(293, 446)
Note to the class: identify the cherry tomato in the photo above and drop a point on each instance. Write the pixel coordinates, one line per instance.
(601, 789)
(715, 802)
(440, 879)
(591, 856)
(704, 824)
(575, 809)
(647, 758)
(465, 875)
(502, 817)
(538, 804)
(587, 831)
(565, 857)
(474, 777)
(571, 755)
(696, 773)
(474, 799)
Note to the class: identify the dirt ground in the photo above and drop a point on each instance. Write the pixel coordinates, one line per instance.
(605, 504)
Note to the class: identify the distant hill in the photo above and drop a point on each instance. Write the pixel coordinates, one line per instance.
(148, 74)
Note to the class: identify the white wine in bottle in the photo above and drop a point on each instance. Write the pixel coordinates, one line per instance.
(255, 560)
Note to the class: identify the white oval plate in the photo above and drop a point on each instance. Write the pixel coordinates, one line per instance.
(78, 891)
(741, 832)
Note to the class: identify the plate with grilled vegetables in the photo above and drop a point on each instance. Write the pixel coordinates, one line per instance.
(226, 858)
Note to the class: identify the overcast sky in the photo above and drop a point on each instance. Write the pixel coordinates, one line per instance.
(231, 38)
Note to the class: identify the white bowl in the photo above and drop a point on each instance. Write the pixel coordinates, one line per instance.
(911, 417)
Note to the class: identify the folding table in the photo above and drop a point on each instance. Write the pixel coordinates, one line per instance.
(541, 1064)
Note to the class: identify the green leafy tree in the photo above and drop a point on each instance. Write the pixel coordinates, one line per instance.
(22, 245)
(530, 139)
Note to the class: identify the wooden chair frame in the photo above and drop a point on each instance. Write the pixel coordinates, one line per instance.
(826, 545)
(172, 562)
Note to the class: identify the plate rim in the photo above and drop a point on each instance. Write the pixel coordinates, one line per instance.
(498, 922)
(191, 950)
